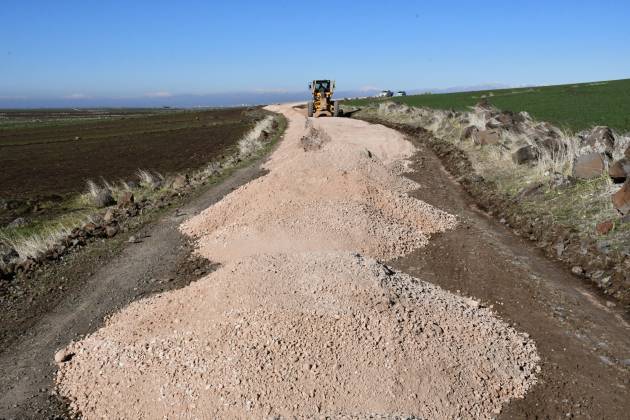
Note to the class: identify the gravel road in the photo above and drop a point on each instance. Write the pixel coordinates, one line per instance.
(302, 319)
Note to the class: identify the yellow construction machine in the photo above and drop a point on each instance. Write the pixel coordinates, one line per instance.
(322, 104)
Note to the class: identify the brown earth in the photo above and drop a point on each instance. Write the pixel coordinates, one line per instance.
(583, 339)
(57, 158)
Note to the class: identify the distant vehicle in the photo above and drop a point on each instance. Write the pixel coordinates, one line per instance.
(385, 94)
(400, 93)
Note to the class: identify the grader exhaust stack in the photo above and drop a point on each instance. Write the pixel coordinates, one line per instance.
(322, 103)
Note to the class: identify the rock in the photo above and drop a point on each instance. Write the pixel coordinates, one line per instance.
(577, 270)
(63, 356)
(89, 228)
(19, 222)
(126, 199)
(488, 137)
(621, 199)
(525, 154)
(103, 198)
(111, 231)
(506, 119)
(493, 123)
(7, 255)
(590, 165)
(470, 132)
(27, 265)
(601, 139)
(132, 239)
(620, 170)
(109, 216)
(627, 153)
(605, 227)
(77, 138)
(180, 181)
(552, 144)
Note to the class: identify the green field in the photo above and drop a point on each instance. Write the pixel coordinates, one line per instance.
(574, 107)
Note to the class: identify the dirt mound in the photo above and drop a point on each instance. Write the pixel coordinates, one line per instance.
(338, 196)
(296, 323)
(300, 334)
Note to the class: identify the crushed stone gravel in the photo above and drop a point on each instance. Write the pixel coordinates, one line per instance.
(301, 319)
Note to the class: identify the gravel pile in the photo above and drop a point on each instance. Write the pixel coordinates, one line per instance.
(301, 319)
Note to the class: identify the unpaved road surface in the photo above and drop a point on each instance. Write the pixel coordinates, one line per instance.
(160, 260)
(301, 319)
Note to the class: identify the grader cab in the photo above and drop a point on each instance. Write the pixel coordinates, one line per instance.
(322, 103)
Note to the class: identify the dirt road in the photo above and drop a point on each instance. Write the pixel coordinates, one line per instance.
(297, 323)
(159, 261)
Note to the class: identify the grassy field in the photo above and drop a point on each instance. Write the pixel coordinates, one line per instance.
(574, 107)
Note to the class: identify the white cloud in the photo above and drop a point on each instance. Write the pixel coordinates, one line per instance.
(76, 96)
(272, 91)
(158, 94)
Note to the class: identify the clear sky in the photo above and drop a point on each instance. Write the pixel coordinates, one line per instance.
(136, 48)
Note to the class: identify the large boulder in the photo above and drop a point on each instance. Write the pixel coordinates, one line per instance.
(590, 165)
(488, 137)
(525, 154)
(600, 139)
(621, 199)
(620, 170)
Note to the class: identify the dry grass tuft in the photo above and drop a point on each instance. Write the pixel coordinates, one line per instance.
(253, 140)
(99, 195)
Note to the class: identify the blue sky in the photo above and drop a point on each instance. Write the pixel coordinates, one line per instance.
(55, 49)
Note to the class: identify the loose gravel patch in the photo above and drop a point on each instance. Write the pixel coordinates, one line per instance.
(301, 319)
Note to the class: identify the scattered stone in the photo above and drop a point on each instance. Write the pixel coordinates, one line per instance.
(77, 138)
(111, 231)
(620, 170)
(180, 181)
(132, 239)
(488, 137)
(109, 216)
(601, 139)
(470, 132)
(621, 199)
(19, 222)
(605, 227)
(63, 356)
(525, 154)
(577, 270)
(102, 198)
(590, 165)
(126, 199)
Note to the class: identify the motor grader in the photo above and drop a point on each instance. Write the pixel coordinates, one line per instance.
(322, 104)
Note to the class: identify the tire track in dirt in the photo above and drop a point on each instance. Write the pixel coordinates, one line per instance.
(301, 319)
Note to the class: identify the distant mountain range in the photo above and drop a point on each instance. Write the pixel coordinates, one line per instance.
(205, 100)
